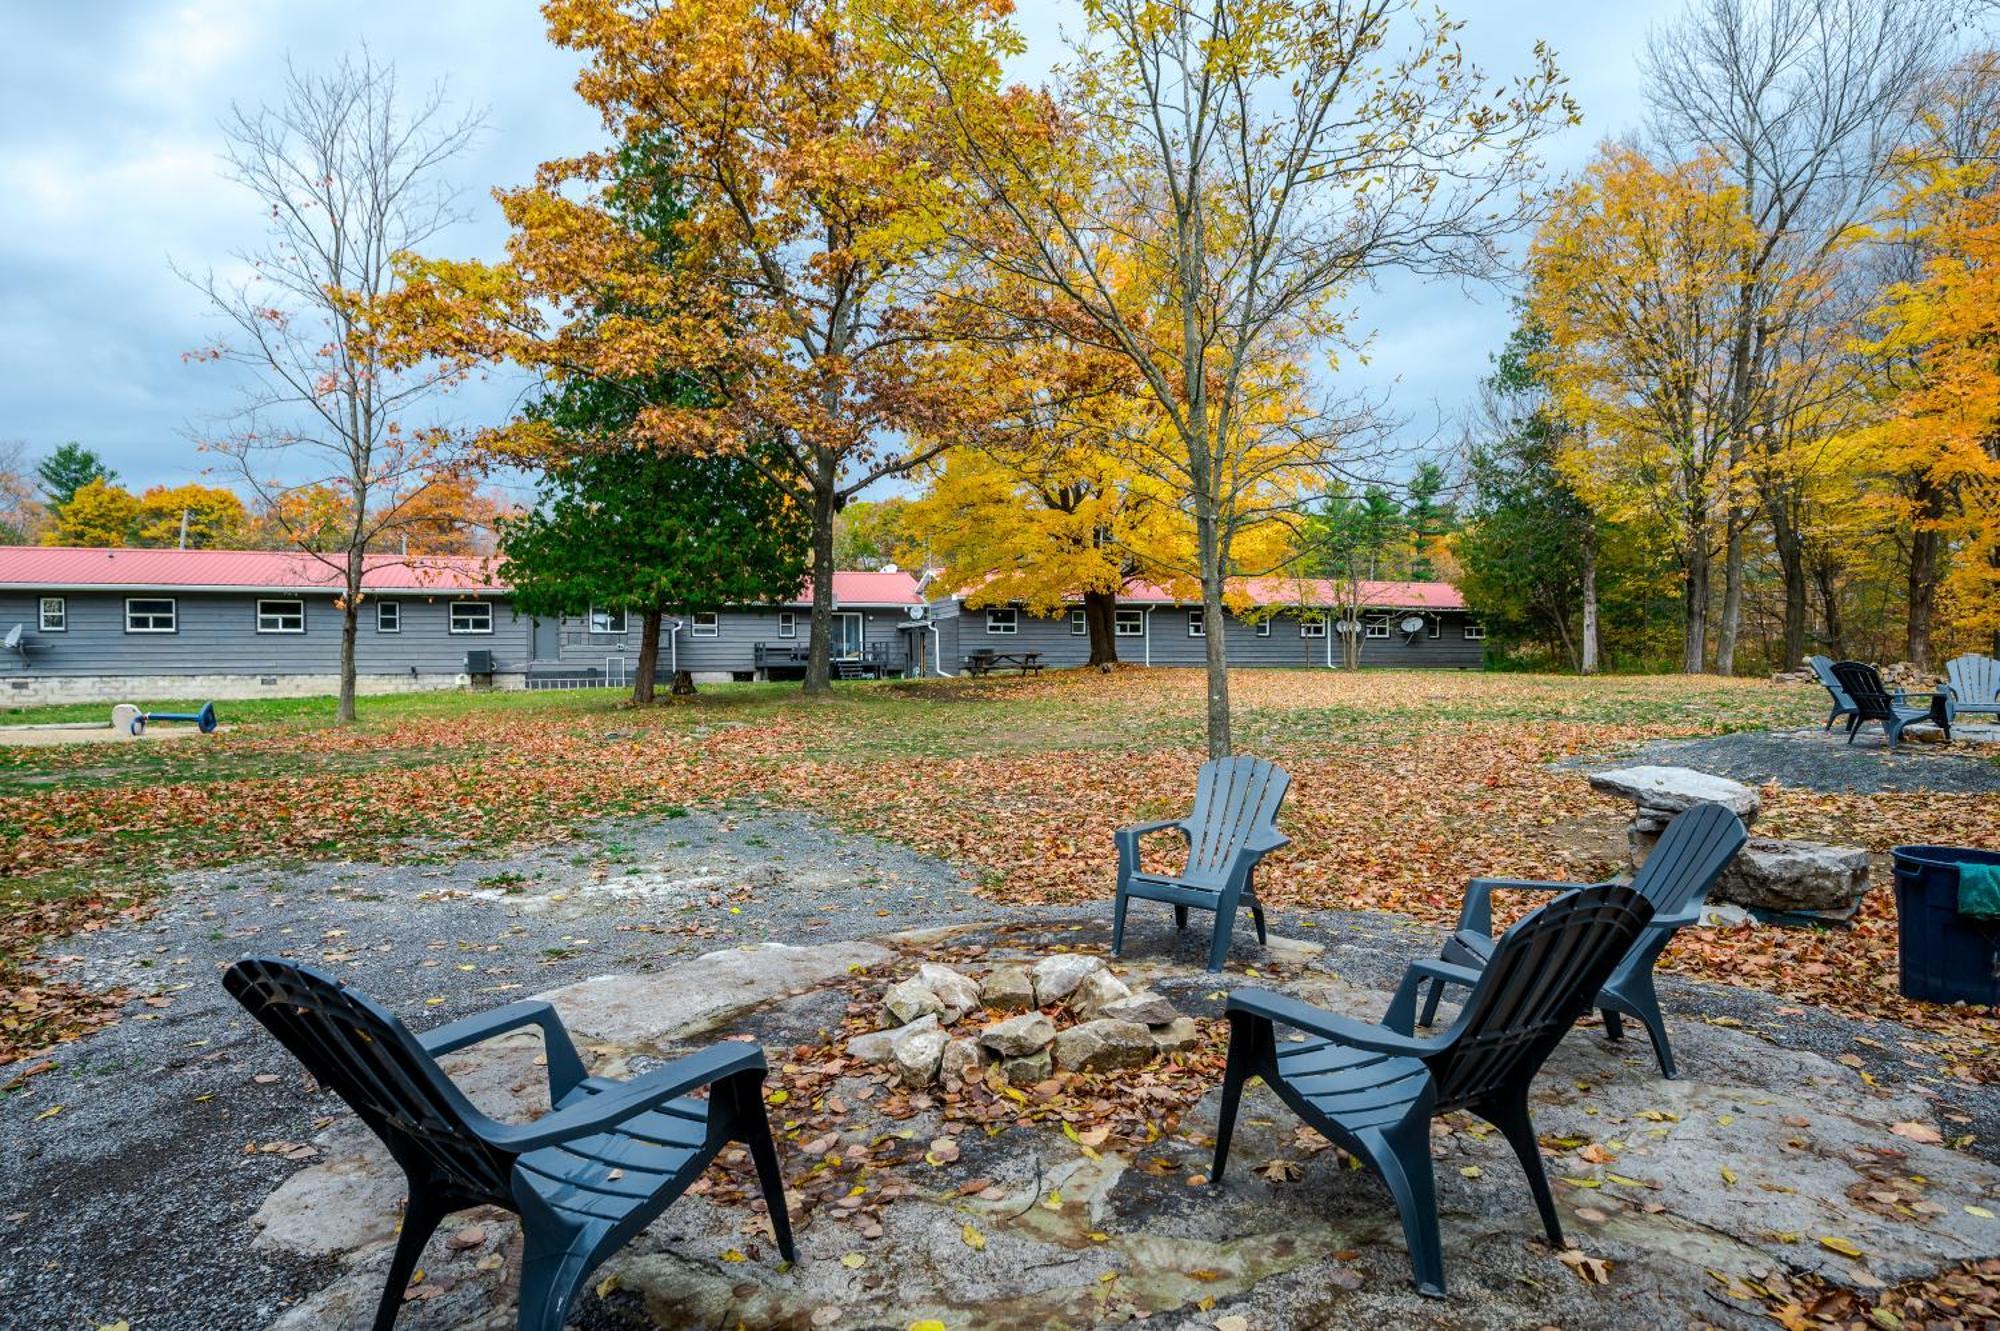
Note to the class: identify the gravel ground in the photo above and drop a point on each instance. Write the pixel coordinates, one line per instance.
(131, 1202)
(1818, 760)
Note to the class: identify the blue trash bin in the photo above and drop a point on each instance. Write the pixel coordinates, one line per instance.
(1943, 956)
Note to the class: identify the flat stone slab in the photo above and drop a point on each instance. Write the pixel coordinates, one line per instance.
(699, 995)
(1674, 789)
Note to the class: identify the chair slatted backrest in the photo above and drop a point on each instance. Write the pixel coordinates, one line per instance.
(1234, 799)
(1822, 668)
(1863, 682)
(1690, 855)
(358, 1049)
(1544, 972)
(1975, 678)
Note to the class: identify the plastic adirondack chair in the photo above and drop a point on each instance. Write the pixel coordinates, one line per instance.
(1874, 702)
(1822, 668)
(1374, 1089)
(1975, 683)
(1234, 825)
(584, 1178)
(1675, 879)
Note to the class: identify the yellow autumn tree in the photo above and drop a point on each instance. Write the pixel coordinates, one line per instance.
(99, 513)
(1633, 274)
(1939, 432)
(199, 517)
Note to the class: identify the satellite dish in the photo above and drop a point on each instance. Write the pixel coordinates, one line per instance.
(1349, 626)
(916, 612)
(1413, 624)
(14, 636)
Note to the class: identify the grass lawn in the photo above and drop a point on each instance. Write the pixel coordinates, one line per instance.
(1405, 783)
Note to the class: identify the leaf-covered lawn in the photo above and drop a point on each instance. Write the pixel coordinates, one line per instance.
(1405, 784)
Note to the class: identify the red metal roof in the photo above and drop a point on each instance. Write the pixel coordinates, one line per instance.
(1375, 595)
(55, 567)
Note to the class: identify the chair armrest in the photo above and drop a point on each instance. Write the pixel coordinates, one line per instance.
(1265, 842)
(1476, 912)
(565, 1064)
(1128, 842)
(1316, 1021)
(1401, 1015)
(640, 1095)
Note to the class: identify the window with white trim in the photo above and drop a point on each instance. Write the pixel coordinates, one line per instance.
(471, 617)
(705, 624)
(1437, 626)
(1312, 624)
(1197, 626)
(388, 616)
(286, 616)
(1003, 619)
(1079, 626)
(1130, 624)
(151, 614)
(1474, 632)
(607, 619)
(1379, 629)
(54, 615)
(1264, 627)
(788, 624)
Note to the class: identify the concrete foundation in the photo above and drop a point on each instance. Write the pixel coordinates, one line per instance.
(29, 689)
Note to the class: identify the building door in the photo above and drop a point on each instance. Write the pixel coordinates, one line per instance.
(847, 635)
(547, 645)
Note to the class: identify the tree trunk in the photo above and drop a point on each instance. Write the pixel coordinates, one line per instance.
(1792, 563)
(1589, 663)
(350, 628)
(1732, 599)
(1694, 607)
(826, 503)
(1209, 545)
(1926, 570)
(649, 654)
(1824, 576)
(1100, 617)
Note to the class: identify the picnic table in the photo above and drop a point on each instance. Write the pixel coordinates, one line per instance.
(985, 662)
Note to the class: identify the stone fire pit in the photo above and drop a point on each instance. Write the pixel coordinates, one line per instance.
(1066, 1012)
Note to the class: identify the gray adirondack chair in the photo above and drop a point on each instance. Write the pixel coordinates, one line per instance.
(585, 1178)
(1675, 879)
(1975, 683)
(1233, 826)
(1375, 1089)
(1873, 701)
(1822, 668)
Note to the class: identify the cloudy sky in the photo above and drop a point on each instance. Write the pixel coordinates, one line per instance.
(109, 175)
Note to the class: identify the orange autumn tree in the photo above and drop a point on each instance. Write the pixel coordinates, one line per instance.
(1941, 425)
(799, 302)
(1634, 276)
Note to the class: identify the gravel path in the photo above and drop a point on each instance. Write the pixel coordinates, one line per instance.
(1816, 760)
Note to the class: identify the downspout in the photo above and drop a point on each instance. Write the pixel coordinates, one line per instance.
(674, 646)
(1149, 635)
(937, 651)
(1327, 624)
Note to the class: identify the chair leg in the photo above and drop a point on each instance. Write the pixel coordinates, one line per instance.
(1402, 1155)
(1257, 918)
(1218, 943)
(1245, 1032)
(755, 1126)
(1118, 922)
(421, 1217)
(1831, 719)
(549, 1280)
(1511, 1117)
(1431, 1001)
(1180, 917)
(1614, 1026)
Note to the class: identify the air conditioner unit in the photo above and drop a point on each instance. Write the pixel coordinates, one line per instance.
(479, 661)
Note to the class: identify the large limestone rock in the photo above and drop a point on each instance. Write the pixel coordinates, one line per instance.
(958, 994)
(1147, 1008)
(917, 1054)
(1098, 990)
(1179, 1034)
(1057, 977)
(964, 1060)
(1770, 874)
(906, 1000)
(1661, 792)
(699, 995)
(1019, 1036)
(1009, 989)
(1028, 1069)
(1099, 1046)
(880, 1046)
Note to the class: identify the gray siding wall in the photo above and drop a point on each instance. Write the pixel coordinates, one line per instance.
(216, 633)
(734, 646)
(1167, 642)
